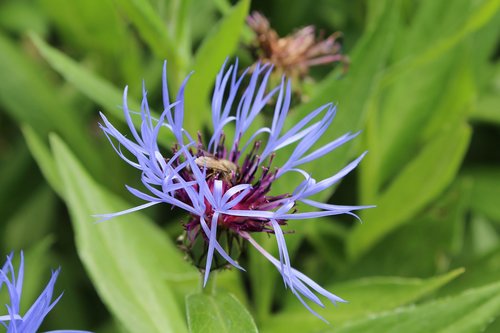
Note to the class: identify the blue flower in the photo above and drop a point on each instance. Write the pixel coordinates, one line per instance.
(225, 187)
(31, 321)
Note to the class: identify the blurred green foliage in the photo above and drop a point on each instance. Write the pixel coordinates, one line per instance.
(423, 86)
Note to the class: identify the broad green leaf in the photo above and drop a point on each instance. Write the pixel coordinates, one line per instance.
(218, 313)
(136, 270)
(367, 297)
(43, 157)
(220, 43)
(416, 185)
(470, 311)
(231, 281)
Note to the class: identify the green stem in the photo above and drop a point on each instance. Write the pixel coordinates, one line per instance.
(209, 288)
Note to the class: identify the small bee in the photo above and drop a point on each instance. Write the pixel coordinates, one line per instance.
(222, 167)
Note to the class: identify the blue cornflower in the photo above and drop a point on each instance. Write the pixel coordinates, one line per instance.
(225, 188)
(31, 321)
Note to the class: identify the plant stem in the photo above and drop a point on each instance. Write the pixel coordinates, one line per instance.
(209, 288)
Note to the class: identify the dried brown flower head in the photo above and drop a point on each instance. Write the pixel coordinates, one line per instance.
(294, 54)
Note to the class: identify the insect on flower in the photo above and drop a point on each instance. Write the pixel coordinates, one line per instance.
(225, 189)
(224, 168)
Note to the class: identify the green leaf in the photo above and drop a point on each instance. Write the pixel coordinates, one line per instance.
(416, 185)
(93, 86)
(420, 104)
(487, 108)
(485, 191)
(43, 157)
(100, 33)
(38, 259)
(478, 273)
(470, 311)
(437, 234)
(156, 35)
(20, 16)
(367, 297)
(30, 97)
(220, 312)
(134, 267)
(352, 92)
(32, 221)
(483, 235)
(216, 47)
(480, 16)
(15, 164)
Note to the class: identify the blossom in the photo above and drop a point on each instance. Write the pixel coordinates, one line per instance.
(224, 185)
(31, 321)
(295, 53)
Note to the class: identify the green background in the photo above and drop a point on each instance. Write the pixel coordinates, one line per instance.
(423, 86)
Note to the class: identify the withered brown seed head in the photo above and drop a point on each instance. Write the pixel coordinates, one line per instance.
(294, 54)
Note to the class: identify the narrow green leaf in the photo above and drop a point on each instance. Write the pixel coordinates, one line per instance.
(367, 297)
(218, 313)
(32, 221)
(29, 97)
(352, 93)
(155, 33)
(15, 164)
(487, 108)
(484, 237)
(180, 21)
(416, 108)
(38, 260)
(470, 311)
(436, 234)
(477, 19)
(485, 191)
(479, 272)
(93, 86)
(100, 33)
(216, 47)
(416, 185)
(130, 261)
